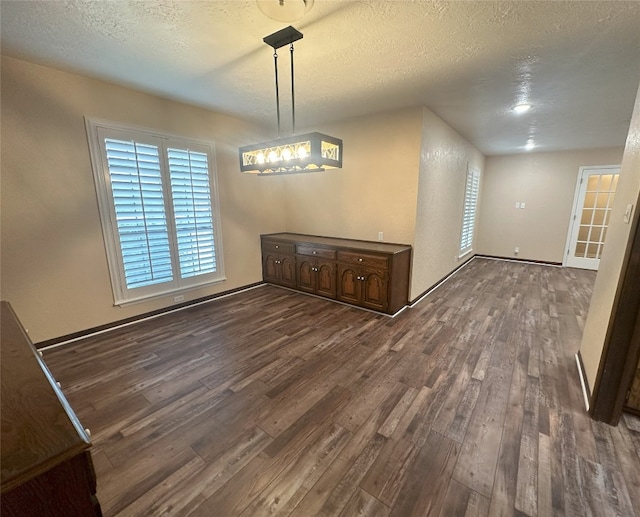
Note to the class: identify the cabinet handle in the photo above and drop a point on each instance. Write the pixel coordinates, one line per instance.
(59, 385)
(88, 431)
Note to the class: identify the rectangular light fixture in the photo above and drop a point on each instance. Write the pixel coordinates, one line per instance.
(310, 152)
(298, 153)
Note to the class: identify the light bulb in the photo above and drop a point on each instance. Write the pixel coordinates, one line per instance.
(273, 156)
(521, 108)
(260, 158)
(302, 153)
(286, 153)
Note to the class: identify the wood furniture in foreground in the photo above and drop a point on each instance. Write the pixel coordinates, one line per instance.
(369, 274)
(45, 461)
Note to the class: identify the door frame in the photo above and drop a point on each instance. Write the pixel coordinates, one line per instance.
(574, 207)
(621, 350)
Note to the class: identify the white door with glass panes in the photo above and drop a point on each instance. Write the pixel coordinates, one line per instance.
(595, 192)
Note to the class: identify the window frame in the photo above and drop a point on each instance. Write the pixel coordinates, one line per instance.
(97, 130)
(471, 190)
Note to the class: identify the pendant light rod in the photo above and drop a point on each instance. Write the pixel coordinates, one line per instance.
(277, 40)
(293, 97)
(275, 63)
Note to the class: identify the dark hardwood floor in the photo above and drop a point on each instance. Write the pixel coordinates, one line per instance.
(273, 402)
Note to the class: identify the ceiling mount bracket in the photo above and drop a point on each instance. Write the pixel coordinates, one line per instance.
(282, 37)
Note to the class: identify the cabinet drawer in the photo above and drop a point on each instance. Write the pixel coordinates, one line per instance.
(280, 247)
(363, 259)
(316, 251)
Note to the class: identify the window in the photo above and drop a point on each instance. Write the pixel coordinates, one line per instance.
(158, 206)
(470, 205)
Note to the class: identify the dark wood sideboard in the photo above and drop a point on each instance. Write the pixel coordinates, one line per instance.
(45, 460)
(369, 274)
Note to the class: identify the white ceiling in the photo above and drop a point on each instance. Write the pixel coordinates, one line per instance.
(578, 63)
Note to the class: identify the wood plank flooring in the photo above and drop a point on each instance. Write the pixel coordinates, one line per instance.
(271, 402)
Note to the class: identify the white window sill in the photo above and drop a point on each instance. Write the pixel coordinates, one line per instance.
(164, 294)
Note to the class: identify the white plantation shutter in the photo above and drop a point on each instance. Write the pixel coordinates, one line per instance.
(134, 171)
(191, 195)
(470, 205)
(159, 211)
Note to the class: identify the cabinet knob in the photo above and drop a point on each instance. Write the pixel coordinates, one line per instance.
(359, 260)
(59, 385)
(315, 252)
(277, 247)
(88, 431)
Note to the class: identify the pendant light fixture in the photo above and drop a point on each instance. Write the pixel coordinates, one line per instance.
(310, 152)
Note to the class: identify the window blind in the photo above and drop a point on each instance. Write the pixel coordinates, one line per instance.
(191, 195)
(136, 186)
(470, 204)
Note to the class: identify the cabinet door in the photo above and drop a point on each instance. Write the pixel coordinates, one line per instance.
(288, 270)
(326, 279)
(374, 289)
(270, 268)
(306, 275)
(348, 284)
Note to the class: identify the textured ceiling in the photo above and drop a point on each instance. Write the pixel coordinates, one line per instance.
(577, 63)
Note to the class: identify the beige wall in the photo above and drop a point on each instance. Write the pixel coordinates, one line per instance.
(546, 183)
(375, 191)
(444, 159)
(618, 236)
(403, 174)
(54, 269)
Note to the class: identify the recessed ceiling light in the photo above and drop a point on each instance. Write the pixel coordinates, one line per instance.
(521, 108)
